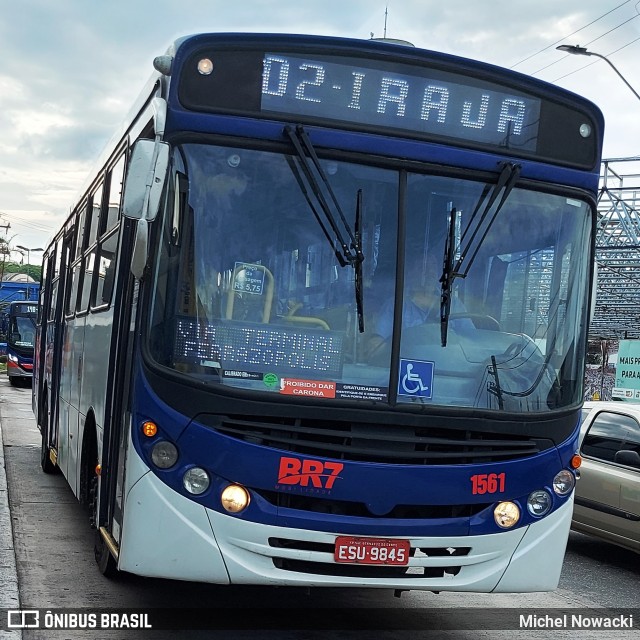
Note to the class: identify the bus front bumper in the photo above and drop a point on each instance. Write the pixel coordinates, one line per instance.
(167, 535)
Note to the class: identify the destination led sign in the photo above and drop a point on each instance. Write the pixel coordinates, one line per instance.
(25, 309)
(423, 101)
(247, 346)
(405, 94)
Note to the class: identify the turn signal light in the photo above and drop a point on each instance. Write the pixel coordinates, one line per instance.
(149, 428)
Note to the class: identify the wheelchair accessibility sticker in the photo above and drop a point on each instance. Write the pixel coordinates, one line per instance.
(416, 378)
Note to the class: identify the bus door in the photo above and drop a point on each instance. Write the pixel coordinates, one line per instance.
(42, 367)
(115, 436)
(56, 335)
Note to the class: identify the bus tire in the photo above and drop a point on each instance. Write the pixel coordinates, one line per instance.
(45, 459)
(106, 562)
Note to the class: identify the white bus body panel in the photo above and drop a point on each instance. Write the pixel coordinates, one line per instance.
(167, 535)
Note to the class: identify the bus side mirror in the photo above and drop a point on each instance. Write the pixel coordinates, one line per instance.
(146, 175)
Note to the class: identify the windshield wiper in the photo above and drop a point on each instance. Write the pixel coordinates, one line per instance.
(350, 252)
(314, 210)
(308, 162)
(506, 182)
(446, 279)
(494, 387)
(358, 264)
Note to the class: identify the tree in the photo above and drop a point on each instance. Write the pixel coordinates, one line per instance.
(7, 266)
(5, 253)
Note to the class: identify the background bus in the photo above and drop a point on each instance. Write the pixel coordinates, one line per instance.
(19, 325)
(334, 331)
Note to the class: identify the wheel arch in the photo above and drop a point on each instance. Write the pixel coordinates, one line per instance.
(89, 457)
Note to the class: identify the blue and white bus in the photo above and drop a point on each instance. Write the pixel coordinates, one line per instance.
(319, 317)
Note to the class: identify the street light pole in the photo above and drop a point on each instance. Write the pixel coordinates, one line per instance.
(577, 50)
(28, 250)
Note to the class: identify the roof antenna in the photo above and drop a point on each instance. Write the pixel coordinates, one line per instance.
(384, 36)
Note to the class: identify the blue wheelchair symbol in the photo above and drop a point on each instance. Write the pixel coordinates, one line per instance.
(416, 378)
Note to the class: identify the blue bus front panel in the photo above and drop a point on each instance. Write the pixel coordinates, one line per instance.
(300, 504)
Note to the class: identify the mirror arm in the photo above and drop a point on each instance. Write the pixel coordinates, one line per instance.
(140, 249)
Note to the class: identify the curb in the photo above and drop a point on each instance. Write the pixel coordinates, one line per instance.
(9, 593)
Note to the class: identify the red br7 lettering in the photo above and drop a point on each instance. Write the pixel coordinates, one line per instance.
(296, 471)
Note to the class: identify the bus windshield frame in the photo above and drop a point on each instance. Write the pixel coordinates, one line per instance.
(268, 308)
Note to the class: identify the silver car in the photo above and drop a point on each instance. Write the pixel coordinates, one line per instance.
(607, 503)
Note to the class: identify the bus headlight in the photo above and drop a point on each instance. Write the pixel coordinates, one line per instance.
(235, 498)
(539, 503)
(164, 454)
(564, 482)
(506, 514)
(196, 481)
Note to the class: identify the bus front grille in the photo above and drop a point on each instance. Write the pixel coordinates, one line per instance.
(368, 442)
(331, 506)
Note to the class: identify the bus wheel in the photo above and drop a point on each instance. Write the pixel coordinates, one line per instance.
(105, 561)
(45, 459)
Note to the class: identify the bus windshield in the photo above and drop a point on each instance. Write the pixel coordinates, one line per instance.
(250, 290)
(22, 331)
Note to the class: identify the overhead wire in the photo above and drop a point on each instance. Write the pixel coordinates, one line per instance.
(15, 220)
(533, 73)
(569, 36)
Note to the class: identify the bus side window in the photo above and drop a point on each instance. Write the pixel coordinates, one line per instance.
(106, 270)
(54, 300)
(82, 218)
(88, 265)
(111, 213)
(43, 289)
(72, 295)
(94, 210)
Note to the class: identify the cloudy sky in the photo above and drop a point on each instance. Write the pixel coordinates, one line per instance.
(71, 69)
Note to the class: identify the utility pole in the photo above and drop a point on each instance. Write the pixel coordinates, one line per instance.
(6, 228)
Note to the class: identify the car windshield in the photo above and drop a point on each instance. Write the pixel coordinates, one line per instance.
(250, 289)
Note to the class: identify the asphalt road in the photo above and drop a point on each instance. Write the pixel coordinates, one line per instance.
(55, 570)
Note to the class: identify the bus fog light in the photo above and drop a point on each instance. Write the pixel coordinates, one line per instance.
(564, 482)
(235, 498)
(196, 481)
(164, 454)
(539, 503)
(506, 514)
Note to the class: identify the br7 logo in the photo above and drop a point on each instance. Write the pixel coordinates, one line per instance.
(321, 474)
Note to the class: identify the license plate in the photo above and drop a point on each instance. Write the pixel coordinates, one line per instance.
(371, 551)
